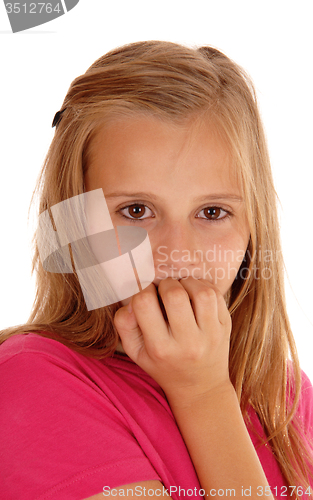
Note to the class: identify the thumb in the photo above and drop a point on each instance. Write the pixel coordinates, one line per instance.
(128, 329)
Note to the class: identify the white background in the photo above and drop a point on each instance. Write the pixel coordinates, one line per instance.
(271, 39)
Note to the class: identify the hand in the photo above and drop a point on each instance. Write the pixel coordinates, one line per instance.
(188, 355)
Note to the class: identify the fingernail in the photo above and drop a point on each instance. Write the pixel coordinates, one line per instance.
(129, 307)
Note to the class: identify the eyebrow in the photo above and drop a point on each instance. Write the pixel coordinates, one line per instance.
(219, 196)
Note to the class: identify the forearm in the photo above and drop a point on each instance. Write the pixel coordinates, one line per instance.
(219, 444)
(189, 360)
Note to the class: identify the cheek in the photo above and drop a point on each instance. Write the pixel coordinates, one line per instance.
(224, 258)
(227, 246)
(234, 250)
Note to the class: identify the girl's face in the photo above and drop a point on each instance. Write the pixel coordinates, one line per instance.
(178, 183)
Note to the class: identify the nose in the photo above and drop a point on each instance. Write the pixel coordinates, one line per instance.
(176, 252)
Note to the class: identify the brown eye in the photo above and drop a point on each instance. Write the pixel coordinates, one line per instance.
(136, 211)
(214, 214)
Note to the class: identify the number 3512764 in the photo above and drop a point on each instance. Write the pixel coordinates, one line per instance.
(32, 8)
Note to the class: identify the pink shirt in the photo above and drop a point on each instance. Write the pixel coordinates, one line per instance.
(72, 426)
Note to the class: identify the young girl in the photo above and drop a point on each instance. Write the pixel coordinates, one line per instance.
(184, 389)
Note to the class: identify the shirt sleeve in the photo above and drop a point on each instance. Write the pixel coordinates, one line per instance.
(61, 437)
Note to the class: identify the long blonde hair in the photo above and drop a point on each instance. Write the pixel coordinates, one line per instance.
(174, 82)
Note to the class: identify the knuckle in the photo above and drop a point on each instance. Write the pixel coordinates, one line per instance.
(205, 294)
(175, 296)
(194, 352)
(143, 300)
(160, 353)
(118, 319)
(161, 350)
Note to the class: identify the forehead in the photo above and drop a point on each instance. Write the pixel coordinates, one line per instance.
(140, 149)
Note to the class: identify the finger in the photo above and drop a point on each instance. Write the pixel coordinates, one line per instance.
(130, 334)
(204, 302)
(223, 312)
(178, 308)
(150, 318)
(222, 309)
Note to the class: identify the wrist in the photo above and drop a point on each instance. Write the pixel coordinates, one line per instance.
(193, 396)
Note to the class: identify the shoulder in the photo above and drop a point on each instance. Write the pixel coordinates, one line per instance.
(34, 367)
(63, 429)
(24, 343)
(45, 364)
(34, 358)
(305, 410)
(37, 366)
(38, 348)
(307, 387)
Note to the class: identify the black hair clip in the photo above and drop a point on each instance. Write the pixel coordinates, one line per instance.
(57, 117)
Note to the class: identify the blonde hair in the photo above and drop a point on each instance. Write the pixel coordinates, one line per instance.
(174, 82)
